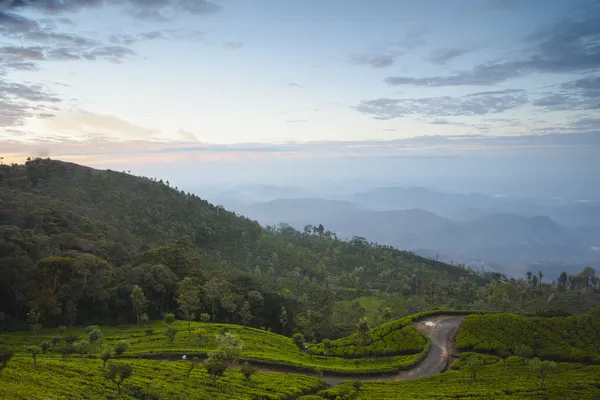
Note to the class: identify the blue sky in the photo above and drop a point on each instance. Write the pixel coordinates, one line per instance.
(238, 80)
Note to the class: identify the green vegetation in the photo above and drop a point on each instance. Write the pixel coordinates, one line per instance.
(80, 246)
(75, 378)
(260, 346)
(575, 338)
(499, 380)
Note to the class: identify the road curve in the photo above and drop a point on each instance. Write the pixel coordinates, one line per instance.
(441, 330)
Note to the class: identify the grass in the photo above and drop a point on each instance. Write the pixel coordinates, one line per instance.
(501, 380)
(77, 378)
(259, 346)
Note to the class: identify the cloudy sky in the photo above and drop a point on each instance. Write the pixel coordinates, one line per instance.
(230, 80)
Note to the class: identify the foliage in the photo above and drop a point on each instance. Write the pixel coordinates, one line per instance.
(496, 381)
(33, 321)
(82, 347)
(34, 351)
(543, 368)
(139, 302)
(248, 371)
(118, 373)
(188, 299)
(169, 318)
(215, 368)
(170, 333)
(572, 338)
(105, 355)
(95, 335)
(298, 339)
(121, 347)
(77, 379)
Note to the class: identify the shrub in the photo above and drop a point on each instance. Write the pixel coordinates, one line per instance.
(248, 371)
(55, 340)
(121, 347)
(65, 350)
(298, 339)
(45, 346)
(91, 328)
(81, 347)
(170, 333)
(94, 335)
(169, 318)
(149, 331)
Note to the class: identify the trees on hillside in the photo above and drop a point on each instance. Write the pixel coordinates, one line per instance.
(188, 300)
(139, 302)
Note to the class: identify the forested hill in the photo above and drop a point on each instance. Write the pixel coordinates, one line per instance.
(75, 240)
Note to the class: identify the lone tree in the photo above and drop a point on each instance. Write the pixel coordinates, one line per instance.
(169, 318)
(95, 335)
(34, 351)
(118, 373)
(82, 347)
(170, 333)
(188, 300)
(139, 302)
(62, 329)
(194, 362)
(105, 355)
(5, 356)
(33, 321)
(215, 369)
(543, 368)
(121, 347)
(475, 364)
(523, 352)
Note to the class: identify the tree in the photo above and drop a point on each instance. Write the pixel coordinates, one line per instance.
(144, 319)
(121, 347)
(170, 333)
(65, 350)
(283, 319)
(34, 351)
(139, 302)
(118, 373)
(543, 368)
(229, 347)
(475, 364)
(298, 340)
(215, 369)
(211, 292)
(95, 335)
(169, 318)
(204, 317)
(248, 371)
(45, 346)
(540, 275)
(193, 364)
(55, 340)
(5, 356)
(563, 281)
(33, 321)
(81, 347)
(529, 275)
(62, 329)
(105, 355)
(245, 313)
(188, 300)
(363, 332)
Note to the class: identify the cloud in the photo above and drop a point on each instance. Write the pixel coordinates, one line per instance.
(379, 61)
(22, 53)
(154, 9)
(187, 136)
(233, 45)
(16, 102)
(296, 85)
(441, 57)
(570, 45)
(473, 104)
(296, 121)
(579, 94)
(130, 39)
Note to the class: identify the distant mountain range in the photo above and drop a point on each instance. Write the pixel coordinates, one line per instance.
(501, 233)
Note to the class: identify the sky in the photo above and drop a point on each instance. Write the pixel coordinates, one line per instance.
(270, 87)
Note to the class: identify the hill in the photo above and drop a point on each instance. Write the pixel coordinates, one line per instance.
(510, 242)
(74, 241)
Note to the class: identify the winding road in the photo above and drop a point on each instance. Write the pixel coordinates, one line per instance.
(441, 329)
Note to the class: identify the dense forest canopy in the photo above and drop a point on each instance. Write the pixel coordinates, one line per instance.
(75, 241)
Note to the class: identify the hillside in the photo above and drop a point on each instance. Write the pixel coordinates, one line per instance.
(74, 241)
(508, 241)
